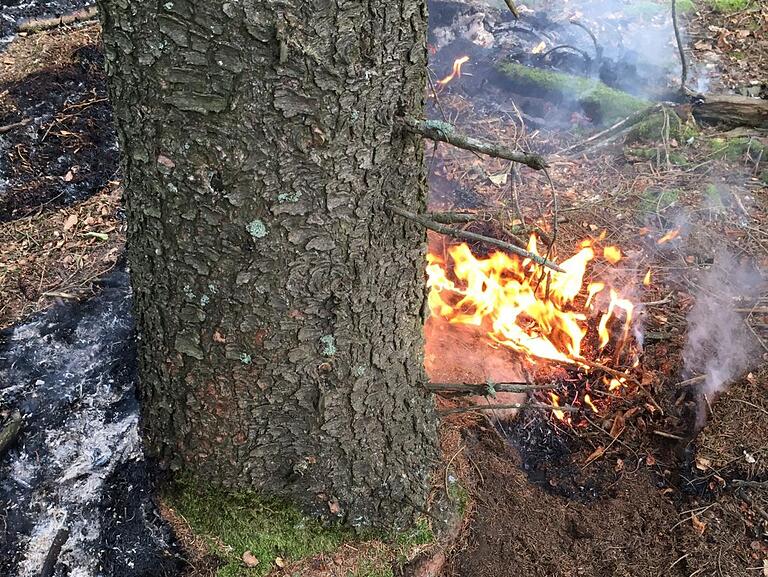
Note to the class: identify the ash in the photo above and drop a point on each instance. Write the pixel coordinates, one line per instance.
(78, 463)
(12, 12)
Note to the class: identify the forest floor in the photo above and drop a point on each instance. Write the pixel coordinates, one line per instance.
(638, 491)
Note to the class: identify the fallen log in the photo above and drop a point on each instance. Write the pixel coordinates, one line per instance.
(730, 110)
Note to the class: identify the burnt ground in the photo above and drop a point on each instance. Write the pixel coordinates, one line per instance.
(608, 497)
(63, 147)
(14, 11)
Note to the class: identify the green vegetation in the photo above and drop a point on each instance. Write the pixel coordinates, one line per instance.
(735, 149)
(600, 102)
(232, 524)
(655, 200)
(730, 5)
(652, 129)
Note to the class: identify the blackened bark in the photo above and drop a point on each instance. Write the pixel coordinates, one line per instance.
(278, 304)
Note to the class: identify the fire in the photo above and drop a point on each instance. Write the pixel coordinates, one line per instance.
(539, 48)
(671, 235)
(456, 72)
(536, 312)
(612, 254)
(647, 278)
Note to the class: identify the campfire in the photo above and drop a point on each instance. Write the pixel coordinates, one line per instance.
(548, 318)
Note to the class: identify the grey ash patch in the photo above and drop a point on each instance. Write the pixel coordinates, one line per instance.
(78, 462)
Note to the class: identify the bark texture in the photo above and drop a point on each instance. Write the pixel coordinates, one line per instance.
(279, 305)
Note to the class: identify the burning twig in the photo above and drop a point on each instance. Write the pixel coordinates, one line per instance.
(442, 131)
(466, 235)
(482, 389)
(683, 61)
(541, 406)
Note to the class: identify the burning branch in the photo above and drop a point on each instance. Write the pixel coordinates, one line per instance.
(466, 235)
(443, 132)
(483, 389)
(540, 406)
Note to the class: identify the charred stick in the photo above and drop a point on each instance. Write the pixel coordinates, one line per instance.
(438, 130)
(584, 55)
(585, 28)
(466, 235)
(49, 565)
(512, 8)
(468, 388)
(541, 406)
(15, 125)
(680, 49)
(9, 431)
(486, 216)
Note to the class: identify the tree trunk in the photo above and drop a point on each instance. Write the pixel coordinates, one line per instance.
(732, 110)
(279, 307)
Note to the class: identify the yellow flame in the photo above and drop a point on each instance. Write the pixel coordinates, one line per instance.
(612, 254)
(590, 404)
(455, 72)
(647, 278)
(539, 48)
(555, 400)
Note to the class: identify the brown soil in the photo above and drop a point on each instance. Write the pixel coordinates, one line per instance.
(521, 529)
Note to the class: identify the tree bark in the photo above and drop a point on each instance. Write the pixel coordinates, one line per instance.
(279, 306)
(731, 110)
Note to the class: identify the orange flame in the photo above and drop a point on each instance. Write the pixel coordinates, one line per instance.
(456, 72)
(518, 305)
(671, 235)
(590, 404)
(647, 278)
(555, 400)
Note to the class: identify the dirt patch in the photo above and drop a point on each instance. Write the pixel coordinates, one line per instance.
(516, 524)
(59, 144)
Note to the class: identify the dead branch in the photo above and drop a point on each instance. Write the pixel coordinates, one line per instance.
(438, 130)
(681, 50)
(487, 216)
(598, 48)
(15, 125)
(40, 24)
(482, 389)
(466, 235)
(541, 406)
(731, 110)
(587, 57)
(614, 131)
(9, 430)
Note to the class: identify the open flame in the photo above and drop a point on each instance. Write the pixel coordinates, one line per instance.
(537, 312)
(455, 72)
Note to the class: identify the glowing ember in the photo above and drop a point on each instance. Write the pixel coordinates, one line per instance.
(671, 235)
(456, 72)
(590, 404)
(539, 48)
(647, 278)
(519, 306)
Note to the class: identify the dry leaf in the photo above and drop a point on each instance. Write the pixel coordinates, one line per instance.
(250, 559)
(698, 525)
(650, 460)
(596, 454)
(498, 179)
(334, 506)
(69, 176)
(280, 562)
(702, 464)
(70, 222)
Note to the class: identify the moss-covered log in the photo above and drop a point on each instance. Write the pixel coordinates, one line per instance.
(731, 110)
(601, 103)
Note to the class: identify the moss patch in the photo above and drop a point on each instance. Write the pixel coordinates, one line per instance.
(600, 102)
(741, 148)
(657, 201)
(730, 5)
(271, 530)
(652, 129)
(235, 523)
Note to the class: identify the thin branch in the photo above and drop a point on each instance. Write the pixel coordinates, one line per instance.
(583, 53)
(512, 8)
(40, 24)
(482, 389)
(15, 125)
(614, 130)
(466, 235)
(680, 49)
(598, 48)
(442, 131)
(541, 406)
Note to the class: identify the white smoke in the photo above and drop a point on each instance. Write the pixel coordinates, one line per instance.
(718, 346)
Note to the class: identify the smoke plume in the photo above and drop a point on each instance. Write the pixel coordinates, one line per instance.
(718, 346)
